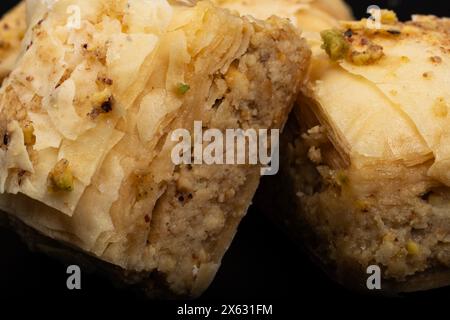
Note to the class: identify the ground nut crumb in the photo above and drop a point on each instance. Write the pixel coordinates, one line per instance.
(214, 220)
(315, 155)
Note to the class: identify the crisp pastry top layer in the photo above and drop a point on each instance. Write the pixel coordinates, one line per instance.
(68, 94)
(309, 15)
(384, 94)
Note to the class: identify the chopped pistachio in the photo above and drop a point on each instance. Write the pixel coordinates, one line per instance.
(412, 248)
(61, 177)
(342, 179)
(183, 88)
(372, 54)
(102, 103)
(28, 134)
(99, 98)
(334, 44)
(388, 17)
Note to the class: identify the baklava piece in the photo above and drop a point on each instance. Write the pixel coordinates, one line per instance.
(86, 119)
(368, 154)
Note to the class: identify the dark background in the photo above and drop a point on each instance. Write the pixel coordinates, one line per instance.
(262, 264)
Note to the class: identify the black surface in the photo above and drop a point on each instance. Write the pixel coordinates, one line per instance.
(262, 264)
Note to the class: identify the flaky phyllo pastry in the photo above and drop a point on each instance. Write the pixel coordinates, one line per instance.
(371, 159)
(86, 117)
(308, 15)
